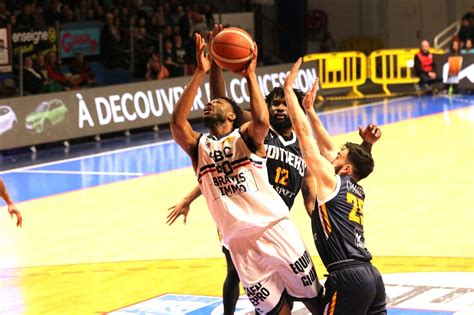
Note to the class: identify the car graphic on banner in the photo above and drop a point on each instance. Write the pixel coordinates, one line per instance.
(46, 115)
(8, 119)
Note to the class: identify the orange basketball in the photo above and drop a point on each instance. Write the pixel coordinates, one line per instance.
(232, 49)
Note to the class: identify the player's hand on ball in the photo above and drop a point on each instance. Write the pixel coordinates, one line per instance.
(252, 66)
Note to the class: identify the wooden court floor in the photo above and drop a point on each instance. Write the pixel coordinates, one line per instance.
(100, 249)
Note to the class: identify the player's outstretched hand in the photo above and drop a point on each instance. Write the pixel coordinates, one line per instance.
(291, 77)
(308, 100)
(203, 60)
(181, 208)
(370, 134)
(14, 212)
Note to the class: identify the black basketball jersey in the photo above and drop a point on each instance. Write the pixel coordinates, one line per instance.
(338, 224)
(286, 168)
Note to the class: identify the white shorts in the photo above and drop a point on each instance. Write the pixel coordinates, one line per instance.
(274, 261)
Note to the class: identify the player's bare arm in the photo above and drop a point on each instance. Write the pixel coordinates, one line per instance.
(318, 165)
(369, 135)
(308, 191)
(10, 204)
(181, 129)
(183, 207)
(325, 144)
(255, 131)
(216, 79)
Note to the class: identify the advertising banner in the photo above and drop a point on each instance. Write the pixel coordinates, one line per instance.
(5, 51)
(30, 120)
(79, 38)
(456, 70)
(34, 41)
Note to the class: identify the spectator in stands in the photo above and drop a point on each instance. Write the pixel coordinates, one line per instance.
(468, 49)
(466, 31)
(67, 15)
(50, 84)
(110, 43)
(143, 48)
(425, 67)
(25, 19)
(155, 70)
(81, 68)
(12, 22)
(169, 59)
(190, 57)
(455, 48)
(177, 15)
(33, 81)
(167, 34)
(185, 25)
(4, 14)
(154, 28)
(199, 25)
(208, 14)
(38, 15)
(53, 14)
(124, 17)
(90, 15)
(469, 15)
(55, 74)
(180, 54)
(81, 11)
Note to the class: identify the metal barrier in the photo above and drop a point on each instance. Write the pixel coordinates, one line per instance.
(341, 69)
(393, 66)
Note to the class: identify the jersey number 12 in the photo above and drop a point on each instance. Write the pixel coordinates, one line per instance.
(281, 176)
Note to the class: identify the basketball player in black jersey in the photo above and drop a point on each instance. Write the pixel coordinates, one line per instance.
(354, 285)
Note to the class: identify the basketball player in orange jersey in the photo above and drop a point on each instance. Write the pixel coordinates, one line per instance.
(271, 259)
(354, 285)
(11, 206)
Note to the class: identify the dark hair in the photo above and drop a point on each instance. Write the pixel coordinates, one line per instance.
(280, 93)
(236, 109)
(361, 160)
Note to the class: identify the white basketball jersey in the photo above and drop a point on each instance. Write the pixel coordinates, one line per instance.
(234, 182)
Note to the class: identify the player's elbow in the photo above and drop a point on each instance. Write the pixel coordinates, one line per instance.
(261, 123)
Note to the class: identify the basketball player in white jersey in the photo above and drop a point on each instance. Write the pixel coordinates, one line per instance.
(269, 255)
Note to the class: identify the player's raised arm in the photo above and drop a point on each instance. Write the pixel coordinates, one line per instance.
(308, 191)
(325, 144)
(318, 165)
(181, 129)
(11, 205)
(216, 79)
(256, 130)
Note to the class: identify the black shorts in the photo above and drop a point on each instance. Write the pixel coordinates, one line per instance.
(357, 289)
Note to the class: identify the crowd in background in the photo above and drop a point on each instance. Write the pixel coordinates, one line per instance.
(150, 38)
(461, 42)
(155, 35)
